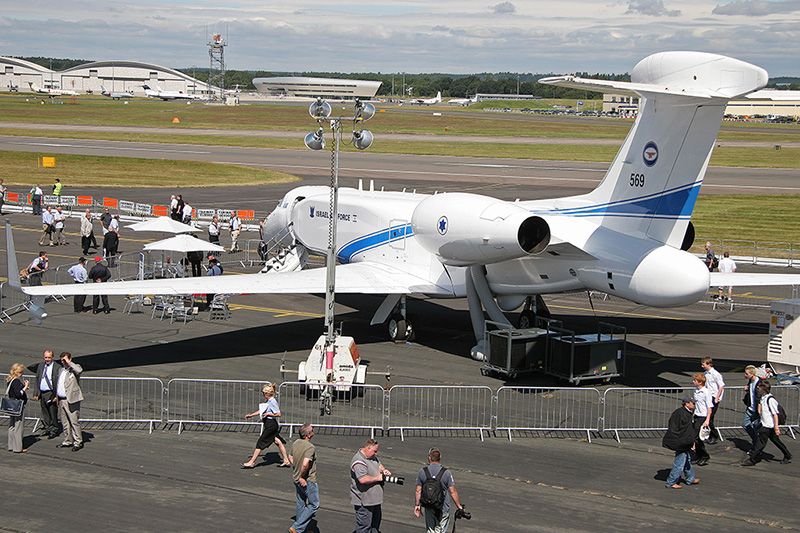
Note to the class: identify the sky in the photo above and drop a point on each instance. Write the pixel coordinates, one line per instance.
(414, 36)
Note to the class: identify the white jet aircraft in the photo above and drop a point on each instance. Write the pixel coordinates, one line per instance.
(51, 92)
(113, 95)
(626, 238)
(428, 101)
(171, 95)
(463, 101)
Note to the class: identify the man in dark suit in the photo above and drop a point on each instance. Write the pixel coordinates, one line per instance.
(100, 274)
(44, 390)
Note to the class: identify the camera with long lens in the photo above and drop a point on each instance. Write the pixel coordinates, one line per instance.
(394, 479)
(462, 513)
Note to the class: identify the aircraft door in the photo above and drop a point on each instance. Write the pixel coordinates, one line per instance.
(398, 231)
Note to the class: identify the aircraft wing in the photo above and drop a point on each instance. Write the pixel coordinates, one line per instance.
(743, 279)
(354, 278)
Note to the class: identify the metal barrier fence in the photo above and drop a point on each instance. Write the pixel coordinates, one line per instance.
(403, 407)
(206, 401)
(649, 409)
(430, 407)
(548, 409)
(363, 407)
(10, 301)
(122, 400)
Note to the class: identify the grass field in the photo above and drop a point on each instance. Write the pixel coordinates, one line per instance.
(22, 168)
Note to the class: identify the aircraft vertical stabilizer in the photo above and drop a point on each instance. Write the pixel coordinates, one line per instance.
(652, 185)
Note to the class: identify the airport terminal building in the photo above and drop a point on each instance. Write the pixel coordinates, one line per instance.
(119, 76)
(298, 86)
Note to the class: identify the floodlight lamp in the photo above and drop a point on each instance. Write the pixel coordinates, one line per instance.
(319, 109)
(362, 139)
(364, 111)
(315, 140)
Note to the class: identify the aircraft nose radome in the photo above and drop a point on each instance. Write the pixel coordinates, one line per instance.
(668, 277)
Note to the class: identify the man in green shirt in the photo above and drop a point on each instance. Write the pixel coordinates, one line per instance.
(304, 464)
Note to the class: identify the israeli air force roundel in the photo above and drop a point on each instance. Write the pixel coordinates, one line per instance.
(650, 154)
(442, 225)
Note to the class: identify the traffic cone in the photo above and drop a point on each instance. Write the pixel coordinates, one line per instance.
(176, 120)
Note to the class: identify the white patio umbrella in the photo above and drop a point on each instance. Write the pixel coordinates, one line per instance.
(184, 243)
(164, 224)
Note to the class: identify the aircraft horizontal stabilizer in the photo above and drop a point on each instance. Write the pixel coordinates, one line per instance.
(688, 74)
(744, 279)
(362, 278)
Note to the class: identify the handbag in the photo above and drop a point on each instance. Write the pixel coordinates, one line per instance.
(705, 433)
(10, 406)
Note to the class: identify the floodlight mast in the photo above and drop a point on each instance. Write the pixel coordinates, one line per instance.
(320, 110)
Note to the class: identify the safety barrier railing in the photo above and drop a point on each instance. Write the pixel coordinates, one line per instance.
(548, 410)
(122, 400)
(637, 409)
(206, 401)
(361, 407)
(631, 409)
(11, 301)
(433, 407)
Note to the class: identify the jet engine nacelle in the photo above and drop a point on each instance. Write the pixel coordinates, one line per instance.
(468, 229)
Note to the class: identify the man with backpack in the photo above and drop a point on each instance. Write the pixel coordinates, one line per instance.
(435, 488)
(772, 416)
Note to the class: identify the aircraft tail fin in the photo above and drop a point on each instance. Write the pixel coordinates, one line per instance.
(652, 184)
(11, 260)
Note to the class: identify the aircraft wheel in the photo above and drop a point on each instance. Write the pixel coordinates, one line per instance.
(397, 327)
(411, 333)
(527, 319)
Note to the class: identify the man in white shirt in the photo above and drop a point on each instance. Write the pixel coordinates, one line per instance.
(726, 264)
(213, 230)
(236, 228)
(703, 407)
(47, 226)
(187, 213)
(114, 225)
(770, 429)
(79, 275)
(715, 385)
(37, 268)
(59, 219)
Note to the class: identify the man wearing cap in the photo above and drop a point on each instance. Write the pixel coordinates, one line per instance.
(680, 438)
(100, 274)
(79, 275)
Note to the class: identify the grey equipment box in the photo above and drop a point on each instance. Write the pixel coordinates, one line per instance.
(576, 358)
(514, 351)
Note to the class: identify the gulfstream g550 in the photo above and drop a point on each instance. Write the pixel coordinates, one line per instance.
(627, 237)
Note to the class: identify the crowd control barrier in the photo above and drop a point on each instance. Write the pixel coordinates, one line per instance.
(431, 407)
(649, 409)
(362, 407)
(548, 409)
(207, 401)
(122, 400)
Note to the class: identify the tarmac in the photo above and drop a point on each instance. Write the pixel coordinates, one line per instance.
(128, 479)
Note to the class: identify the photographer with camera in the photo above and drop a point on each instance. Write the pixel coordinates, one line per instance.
(435, 488)
(367, 476)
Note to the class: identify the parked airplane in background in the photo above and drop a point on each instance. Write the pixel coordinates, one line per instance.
(463, 101)
(115, 96)
(628, 237)
(51, 92)
(428, 101)
(171, 95)
(13, 88)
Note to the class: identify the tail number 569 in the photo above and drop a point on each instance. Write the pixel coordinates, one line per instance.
(637, 180)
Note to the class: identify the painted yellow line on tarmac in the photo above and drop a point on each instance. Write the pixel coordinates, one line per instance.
(276, 312)
(614, 312)
(659, 360)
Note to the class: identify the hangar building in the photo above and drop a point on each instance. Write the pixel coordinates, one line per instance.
(118, 76)
(314, 87)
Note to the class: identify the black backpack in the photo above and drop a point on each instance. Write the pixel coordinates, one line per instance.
(432, 491)
(781, 412)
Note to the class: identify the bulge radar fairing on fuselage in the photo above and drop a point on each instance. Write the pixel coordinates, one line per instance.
(623, 238)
